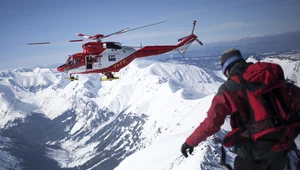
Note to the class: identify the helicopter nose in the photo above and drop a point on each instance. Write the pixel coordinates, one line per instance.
(61, 68)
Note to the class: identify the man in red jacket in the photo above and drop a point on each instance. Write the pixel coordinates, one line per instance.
(228, 101)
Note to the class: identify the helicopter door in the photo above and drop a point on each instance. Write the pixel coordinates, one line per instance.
(98, 61)
(89, 62)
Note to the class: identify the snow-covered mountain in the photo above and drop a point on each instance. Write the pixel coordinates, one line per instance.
(92, 124)
(162, 154)
(277, 43)
(136, 122)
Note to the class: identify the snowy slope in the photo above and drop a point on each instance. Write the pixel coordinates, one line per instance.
(160, 93)
(165, 153)
(17, 92)
(88, 124)
(92, 119)
(290, 67)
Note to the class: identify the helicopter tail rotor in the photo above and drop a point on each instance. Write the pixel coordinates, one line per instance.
(199, 41)
(194, 25)
(185, 42)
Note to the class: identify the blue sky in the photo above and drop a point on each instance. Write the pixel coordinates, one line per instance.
(59, 20)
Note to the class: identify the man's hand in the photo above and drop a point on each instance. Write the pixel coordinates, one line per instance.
(185, 147)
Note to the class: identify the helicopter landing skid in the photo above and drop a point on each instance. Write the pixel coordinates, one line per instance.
(108, 79)
(72, 78)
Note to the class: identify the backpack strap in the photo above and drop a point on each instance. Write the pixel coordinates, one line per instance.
(250, 118)
(247, 125)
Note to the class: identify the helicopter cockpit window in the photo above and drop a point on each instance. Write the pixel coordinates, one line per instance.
(76, 61)
(69, 61)
(111, 58)
(112, 46)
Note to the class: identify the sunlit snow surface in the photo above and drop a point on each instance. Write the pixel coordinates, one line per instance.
(148, 112)
(165, 153)
(162, 92)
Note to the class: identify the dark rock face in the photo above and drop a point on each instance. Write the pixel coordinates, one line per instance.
(117, 139)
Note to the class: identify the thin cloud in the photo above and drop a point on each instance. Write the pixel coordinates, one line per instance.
(225, 26)
(177, 15)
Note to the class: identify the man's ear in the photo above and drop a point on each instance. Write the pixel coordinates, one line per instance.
(227, 73)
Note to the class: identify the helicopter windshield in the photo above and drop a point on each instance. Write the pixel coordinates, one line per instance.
(69, 61)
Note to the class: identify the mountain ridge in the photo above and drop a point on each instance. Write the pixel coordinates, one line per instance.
(90, 124)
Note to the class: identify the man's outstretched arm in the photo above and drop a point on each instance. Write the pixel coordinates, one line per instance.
(216, 116)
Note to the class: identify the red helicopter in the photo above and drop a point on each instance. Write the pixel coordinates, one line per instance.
(109, 57)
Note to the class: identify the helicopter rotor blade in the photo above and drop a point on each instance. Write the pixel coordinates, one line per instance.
(99, 37)
(194, 24)
(127, 29)
(42, 43)
(38, 43)
(116, 33)
(145, 26)
(199, 41)
(85, 36)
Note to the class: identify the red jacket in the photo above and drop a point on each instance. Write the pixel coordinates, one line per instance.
(229, 100)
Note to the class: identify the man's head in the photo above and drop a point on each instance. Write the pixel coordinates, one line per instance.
(229, 57)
